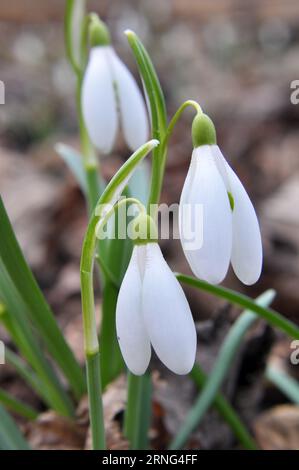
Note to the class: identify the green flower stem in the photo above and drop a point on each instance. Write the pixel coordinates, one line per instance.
(241, 300)
(225, 410)
(95, 400)
(138, 411)
(159, 160)
(176, 117)
(159, 168)
(226, 354)
(110, 195)
(118, 205)
(68, 34)
(90, 161)
(159, 125)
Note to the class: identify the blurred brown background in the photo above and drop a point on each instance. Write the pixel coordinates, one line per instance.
(237, 58)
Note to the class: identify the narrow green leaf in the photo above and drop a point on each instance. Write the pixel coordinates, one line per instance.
(286, 384)
(74, 161)
(139, 183)
(158, 112)
(17, 406)
(27, 374)
(241, 300)
(25, 339)
(37, 308)
(225, 410)
(224, 360)
(10, 436)
(152, 84)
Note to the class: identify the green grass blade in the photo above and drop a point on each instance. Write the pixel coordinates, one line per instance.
(10, 436)
(286, 384)
(27, 374)
(225, 410)
(241, 300)
(225, 357)
(16, 406)
(37, 308)
(27, 343)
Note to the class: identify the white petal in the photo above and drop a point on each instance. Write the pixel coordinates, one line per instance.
(204, 189)
(247, 251)
(98, 100)
(167, 314)
(133, 113)
(131, 333)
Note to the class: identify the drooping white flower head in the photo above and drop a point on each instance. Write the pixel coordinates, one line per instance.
(152, 310)
(228, 222)
(112, 99)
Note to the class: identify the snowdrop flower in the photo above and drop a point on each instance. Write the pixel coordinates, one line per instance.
(110, 94)
(229, 225)
(152, 310)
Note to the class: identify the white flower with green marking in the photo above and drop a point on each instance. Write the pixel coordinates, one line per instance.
(229, 223)
(111, 98)
(152, 310)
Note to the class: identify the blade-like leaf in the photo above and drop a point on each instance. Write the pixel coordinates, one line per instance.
(10, 436)
(286, 384)
(27, 374)
(157, 105)
(17, 406)
(224, 361)
(74, 161)
(241, 300)
(36, 307)
(23, 336)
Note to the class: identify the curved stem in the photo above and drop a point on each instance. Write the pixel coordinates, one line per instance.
(176, 117)
(159, 163)
(118, 205)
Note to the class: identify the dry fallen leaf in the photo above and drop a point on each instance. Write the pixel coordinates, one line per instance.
(278, 428)
(53, 432)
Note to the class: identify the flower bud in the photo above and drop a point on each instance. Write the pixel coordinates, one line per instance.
(203, 131)
(144, 229)
(98, 32)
